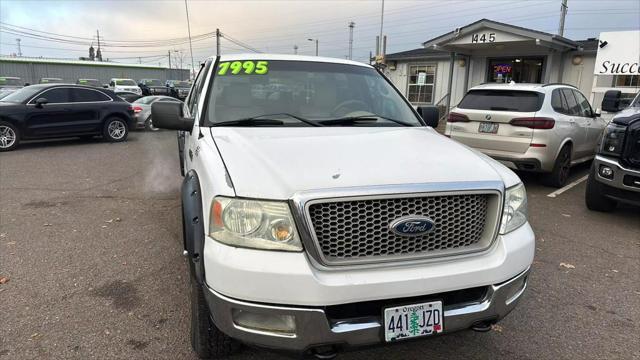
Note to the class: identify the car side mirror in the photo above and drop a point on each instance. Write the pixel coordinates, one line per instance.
(611, 101)
(40, 102)
(168, 115)
(597, 113)
(430, 115)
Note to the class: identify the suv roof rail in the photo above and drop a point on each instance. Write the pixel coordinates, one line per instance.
(552, 84)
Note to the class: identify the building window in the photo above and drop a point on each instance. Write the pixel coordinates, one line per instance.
(520, 70)
(627, 80)
(421, 86)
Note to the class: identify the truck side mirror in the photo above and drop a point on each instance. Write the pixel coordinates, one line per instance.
(168, 115)
(611, 101)
(430, 115)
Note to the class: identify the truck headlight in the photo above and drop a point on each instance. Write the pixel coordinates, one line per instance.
(253, 224)
(613, 140)
(514, 213)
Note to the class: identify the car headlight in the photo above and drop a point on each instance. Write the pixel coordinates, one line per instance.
(253, 224)
(613, 140)
(514, 213)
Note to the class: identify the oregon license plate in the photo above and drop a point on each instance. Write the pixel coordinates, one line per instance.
(488, 127)
(404, 322)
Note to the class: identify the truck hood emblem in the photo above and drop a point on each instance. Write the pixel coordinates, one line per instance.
(412, 225)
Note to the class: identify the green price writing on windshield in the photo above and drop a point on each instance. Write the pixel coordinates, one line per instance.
(243, 67)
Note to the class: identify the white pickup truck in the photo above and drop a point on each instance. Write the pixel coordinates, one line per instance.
(322, 212)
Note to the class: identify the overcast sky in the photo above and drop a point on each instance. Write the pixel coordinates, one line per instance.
(276, 26)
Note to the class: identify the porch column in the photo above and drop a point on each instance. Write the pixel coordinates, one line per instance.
(451, 64)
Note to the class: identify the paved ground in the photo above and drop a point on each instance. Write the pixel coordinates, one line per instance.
(89, 240)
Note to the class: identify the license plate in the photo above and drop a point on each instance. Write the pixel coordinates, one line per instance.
(409, 321)
(488, 127)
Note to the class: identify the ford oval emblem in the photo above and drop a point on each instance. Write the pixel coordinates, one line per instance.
(412, 225)
(488, 117)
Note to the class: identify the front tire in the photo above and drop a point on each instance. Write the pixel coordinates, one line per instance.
(560, 174)
(115, 130)
(9, 136)
(148, 125)
(207, 340)
(593, 196)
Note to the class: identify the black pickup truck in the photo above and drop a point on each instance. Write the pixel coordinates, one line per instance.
(153, 87)
(615, 173)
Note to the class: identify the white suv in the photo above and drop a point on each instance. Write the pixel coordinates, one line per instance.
(323, 213)
(122, 85)
(532, 127)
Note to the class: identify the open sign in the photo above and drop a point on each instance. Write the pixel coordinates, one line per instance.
(502, 68)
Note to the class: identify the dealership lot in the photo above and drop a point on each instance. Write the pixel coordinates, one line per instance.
(90, 242)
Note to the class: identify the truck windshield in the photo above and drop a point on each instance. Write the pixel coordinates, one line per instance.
(125, 82)
(287, 91)
(153, 82)
(10, 81)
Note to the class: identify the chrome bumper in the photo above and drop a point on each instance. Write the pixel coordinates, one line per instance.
(619, 173)
(313, 328)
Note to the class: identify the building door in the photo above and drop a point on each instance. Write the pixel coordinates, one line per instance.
(518, 69)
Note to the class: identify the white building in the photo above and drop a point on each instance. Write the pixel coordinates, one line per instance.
(490, 51)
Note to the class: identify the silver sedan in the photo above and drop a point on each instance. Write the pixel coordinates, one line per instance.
(142, 111)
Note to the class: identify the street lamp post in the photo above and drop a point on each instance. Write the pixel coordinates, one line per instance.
(316, 40)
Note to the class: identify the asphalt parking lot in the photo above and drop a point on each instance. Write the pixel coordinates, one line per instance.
(90, 246)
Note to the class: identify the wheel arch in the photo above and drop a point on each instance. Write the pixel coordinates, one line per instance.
(567, 141)
(117, 114)
(193, 224)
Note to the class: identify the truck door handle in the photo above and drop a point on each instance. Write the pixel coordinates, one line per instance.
(190, 154)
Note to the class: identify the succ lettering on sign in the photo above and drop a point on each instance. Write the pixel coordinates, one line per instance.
(243, 67)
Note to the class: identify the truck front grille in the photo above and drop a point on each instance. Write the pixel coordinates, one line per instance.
(631, 156)
(357, 230)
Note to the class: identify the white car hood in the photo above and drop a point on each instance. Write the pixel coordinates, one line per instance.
(275, 163)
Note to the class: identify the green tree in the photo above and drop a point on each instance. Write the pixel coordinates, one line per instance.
(414, 328)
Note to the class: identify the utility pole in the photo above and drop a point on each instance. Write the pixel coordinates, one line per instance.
(19, 49)
(217, 42)
(381, 24)
(351, 25)
(169, 52)
(295, 49)
(316, 41)
(189, 29)
(563, 14)
(99, 52)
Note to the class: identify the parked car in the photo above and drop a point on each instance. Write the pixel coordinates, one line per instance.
(128, 96)
(530, 127)
(51, 81)
(339, 219)
(153, 87)
(124, 85)
(89, 82)
(10, 82)
(615, 172)
(178, 89)
(55, 111)
(142, 111)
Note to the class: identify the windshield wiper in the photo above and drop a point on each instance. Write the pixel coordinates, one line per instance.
(265, 120)
(368, 117)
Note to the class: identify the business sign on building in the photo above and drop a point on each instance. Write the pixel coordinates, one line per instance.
(618, 53)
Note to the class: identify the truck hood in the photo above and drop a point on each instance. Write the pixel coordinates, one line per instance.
(276, 163)
(627, 116)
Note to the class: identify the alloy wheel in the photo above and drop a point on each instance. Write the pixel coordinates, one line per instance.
(117, 129)
(7, 137)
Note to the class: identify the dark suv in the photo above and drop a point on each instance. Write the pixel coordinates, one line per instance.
(153, 87)
(615, 173)
(61, 110)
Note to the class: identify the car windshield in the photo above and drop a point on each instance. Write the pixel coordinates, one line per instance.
(89, 82)
(315, 92)
(153, 82)
(636, 101)
(9, 81)
(5, 92)
(182, 84)
(125, 82)
(22, 95)
(502, 100)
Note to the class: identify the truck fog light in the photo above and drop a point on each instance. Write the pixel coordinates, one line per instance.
(606, 172)
(284, 325)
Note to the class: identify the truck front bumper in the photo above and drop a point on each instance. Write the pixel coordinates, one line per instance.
(315, 328)
(623, 184)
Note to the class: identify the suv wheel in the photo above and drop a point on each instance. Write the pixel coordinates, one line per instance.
(560, 174)
(9, 136)
(115, 130)
(594, 197)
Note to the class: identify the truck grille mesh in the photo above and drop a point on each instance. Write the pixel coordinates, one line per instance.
(348, 230)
